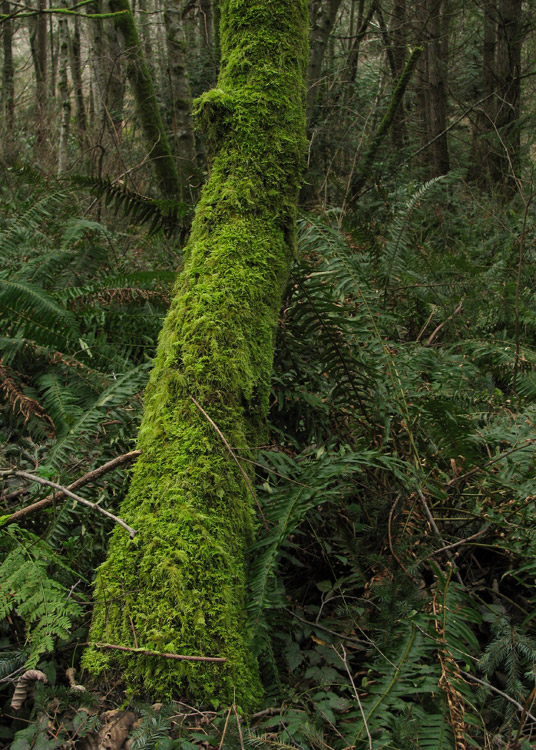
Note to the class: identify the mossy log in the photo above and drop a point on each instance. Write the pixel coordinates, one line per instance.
(180, 585)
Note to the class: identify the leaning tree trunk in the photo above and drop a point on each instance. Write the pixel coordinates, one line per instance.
(180, 584)
(142, 86)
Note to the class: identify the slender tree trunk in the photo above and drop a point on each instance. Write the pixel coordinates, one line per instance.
(207, 33)
(323, 15)
(8, 71)
(180, 93)
(76, 73)
(38, 46)
(360, 31)
(508, 78)
(65, 97)
(438, 159)
(180, 584)
(496, 132)
(400, 52)
(145, 28)
(146, 104)
(431, 22)
(53, 45)
(481, 169)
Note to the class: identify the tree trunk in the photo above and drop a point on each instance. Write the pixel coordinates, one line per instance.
(76, 72)
(8, 72)
(360, 31)
(180, 94)
(400, 51)
(323, 15)
(496, 132)
(108, 85)
(146, 103)
(438, 160)
(180, 584)
(508, 84)
(38, 47)
(65, 97)
(431, 22)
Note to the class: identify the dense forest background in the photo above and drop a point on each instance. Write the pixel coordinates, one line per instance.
(392, 579)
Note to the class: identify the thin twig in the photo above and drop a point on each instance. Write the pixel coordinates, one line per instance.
(225, 728)
(89, 477)
(344, 660)
(434, 333)
(316, 626)
(235, 459)
(433, 524)
(148, 652)
(239, 728)
(458, 543)
(527, 442)
(81, 500)
(499, 692)
(390, 540)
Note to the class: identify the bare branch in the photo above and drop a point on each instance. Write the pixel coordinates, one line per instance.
(89, 477)
(81, 500)
(147, 652)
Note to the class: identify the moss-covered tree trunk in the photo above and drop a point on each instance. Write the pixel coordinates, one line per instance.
(180, 585)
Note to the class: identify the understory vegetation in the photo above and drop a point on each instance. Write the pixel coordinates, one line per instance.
(392, 578)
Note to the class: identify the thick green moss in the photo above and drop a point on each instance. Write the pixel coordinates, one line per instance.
(180, 585)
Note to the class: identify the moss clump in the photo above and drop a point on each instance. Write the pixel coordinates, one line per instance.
(180, 585)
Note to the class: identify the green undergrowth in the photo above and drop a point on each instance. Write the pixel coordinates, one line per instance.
(399, 426)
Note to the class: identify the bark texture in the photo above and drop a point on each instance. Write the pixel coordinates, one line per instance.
(180, 585)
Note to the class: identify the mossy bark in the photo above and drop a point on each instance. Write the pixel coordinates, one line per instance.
(180, 585)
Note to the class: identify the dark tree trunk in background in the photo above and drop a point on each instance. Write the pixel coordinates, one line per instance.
(146, 103)
(8, 71)
(437, 52)
(323, 15)
(38, 46)
(180, 94)
(76, 73)
(496, 132)
(65, 95)
(361, 27)
(508, 91)
(430, 23)
(398, 33)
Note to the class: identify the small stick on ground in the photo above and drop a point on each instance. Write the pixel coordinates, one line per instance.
(148, 652)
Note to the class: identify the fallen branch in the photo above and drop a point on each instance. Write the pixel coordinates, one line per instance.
(81, 500)
(148, 652)
(86, 479)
